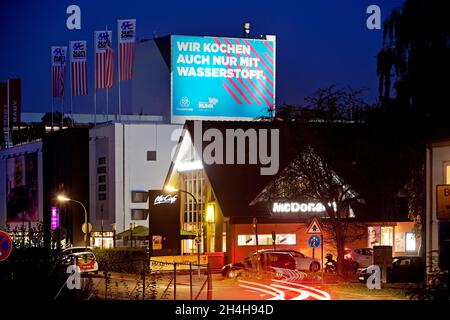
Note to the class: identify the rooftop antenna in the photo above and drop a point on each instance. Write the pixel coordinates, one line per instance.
(246, 29)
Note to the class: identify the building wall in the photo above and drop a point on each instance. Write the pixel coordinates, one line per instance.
(128, 145)
(14, 152)
(437, 232)
(66, 170)
(237, 253)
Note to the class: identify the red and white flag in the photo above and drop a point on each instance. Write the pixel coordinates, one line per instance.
(104, 60)
(127, 47)
(78, 68)
(59, 55)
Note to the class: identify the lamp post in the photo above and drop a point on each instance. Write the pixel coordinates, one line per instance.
(63, 198)
(199, 226)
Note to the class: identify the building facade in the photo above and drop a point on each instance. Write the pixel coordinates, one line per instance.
(437, 230)
(125, 161)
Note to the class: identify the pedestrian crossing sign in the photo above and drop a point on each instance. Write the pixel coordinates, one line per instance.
(314, 227)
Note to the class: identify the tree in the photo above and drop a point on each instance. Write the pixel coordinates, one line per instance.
(47, 118)
(311, 178)
(327, 105)
(413, 62)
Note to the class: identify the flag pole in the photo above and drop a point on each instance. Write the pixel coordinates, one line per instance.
(62, 93)
(107, 92)
(95, 82)
(120, 100)
(71, 86)
(62, 110)
(53, 98)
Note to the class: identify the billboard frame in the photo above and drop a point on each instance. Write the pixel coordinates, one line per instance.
(181, 119)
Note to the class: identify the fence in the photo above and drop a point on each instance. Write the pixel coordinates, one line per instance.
(153, 280)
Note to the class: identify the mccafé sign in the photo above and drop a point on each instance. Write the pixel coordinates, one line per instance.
(295, 207)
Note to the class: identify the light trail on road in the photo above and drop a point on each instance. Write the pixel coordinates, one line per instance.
(302, 292)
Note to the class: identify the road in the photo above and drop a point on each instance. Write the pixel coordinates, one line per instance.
(294, 287)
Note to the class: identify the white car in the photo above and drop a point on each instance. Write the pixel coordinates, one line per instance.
(361, 257)
(302, 262)
(85, 261)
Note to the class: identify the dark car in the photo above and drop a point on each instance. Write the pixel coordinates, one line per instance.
(404, 269)
(270, 260)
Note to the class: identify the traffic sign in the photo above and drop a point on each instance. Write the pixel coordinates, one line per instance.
(314, 241)
(5, 246)
(443, 201)
(314, 227)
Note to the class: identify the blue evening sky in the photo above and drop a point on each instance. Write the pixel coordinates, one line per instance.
(319, 43)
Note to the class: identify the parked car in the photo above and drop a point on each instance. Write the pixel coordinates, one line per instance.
(404, 269)
(269, 259)
(85, 261)
(71, 250)
(361, 257)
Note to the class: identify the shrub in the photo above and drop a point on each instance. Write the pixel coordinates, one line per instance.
(126, 260)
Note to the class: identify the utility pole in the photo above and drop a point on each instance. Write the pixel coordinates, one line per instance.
(255, 226)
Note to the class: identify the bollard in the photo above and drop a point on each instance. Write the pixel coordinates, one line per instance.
(190, 277)
(143, 279)
(209, 290)
(174, 281)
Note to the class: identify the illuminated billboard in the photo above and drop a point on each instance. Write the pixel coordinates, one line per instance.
(22, 188)
(216, 78)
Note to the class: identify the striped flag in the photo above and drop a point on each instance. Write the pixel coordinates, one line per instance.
(127, 47)
(104, 60)
(59, 55)
(78, 68)
(109, 67)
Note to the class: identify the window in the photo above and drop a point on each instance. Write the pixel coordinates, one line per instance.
(101, 179)
(139, 196)
(193, 182)
(102, 160)
(151, 155)
(102, 187)
(387, 236)
(447, 173)
(410, 241)
(101, 170)
(139, 214)
(102, 196)
(266, 239)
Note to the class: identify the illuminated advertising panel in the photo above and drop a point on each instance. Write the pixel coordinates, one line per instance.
(216, 78)
(54, 218)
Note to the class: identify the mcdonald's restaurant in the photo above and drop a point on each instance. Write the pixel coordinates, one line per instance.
(229, 208)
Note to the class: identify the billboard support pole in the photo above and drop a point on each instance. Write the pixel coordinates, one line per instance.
(9, 113)
(95, 85)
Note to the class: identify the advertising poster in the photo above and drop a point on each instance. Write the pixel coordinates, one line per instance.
(15, 100)
(22, 188)
(374, 234)
(222, 78)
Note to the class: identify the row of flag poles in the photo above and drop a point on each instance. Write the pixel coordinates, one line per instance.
(104, 65)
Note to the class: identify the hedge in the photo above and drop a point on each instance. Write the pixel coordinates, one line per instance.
(127, 260)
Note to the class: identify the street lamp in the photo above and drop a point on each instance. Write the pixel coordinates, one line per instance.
(198, 237)
(63, 198)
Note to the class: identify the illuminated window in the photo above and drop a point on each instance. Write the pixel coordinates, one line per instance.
(387, 236)
(224, 242)
(447, 173)
(410, 241)
(266, 239)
